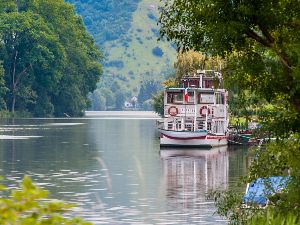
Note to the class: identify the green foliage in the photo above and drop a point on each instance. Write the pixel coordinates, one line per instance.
(190, 61)
(147, 89)
(30, 205)
(157, 52)
(278, 119)
(260, 40)
(270, 217)
(50, 61)
(158, 103)
(229, 205)
(120, 99)
(124, 30)
(277, 158)
(106, 19)
(3, 89)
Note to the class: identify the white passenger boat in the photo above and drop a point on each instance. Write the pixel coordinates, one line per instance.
(196, 114)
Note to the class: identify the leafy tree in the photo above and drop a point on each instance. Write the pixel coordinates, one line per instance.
(158, 103)
(28, 43)
(157, 51)
(120, 99)
(190, 61)
(279, 158)
(245, 104)
(263, 35)
(51, 63)
(83, 69)
(260, 41)
(148, 88)
(30, 205)
(3, 89)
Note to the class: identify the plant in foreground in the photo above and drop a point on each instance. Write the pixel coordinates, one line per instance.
(30, 205)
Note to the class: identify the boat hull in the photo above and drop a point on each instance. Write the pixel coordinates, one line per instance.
(168, 140)
(184, 135)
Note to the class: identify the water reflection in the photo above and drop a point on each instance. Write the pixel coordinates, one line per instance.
(191, 174)
(113, 170)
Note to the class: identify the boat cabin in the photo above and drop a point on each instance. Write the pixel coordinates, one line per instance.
(203, 79)
(201, 104)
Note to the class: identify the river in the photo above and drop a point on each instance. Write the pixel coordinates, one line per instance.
(112, 166)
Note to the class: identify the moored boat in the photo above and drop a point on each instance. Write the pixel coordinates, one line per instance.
(196, 114)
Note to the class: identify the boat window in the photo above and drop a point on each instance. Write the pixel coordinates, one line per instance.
(174, 97)
(194, 83)
(219, 98)
(219, 127)
(207, 84)
(204, 98)
(191, 97)
(178, 125)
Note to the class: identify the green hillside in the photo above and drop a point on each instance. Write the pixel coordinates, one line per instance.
(127, 33)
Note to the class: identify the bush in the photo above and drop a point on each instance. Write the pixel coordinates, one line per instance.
(116, 63)
(30, 205)
(157, 52)
(152, 17)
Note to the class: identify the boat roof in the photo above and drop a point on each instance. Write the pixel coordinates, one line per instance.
(204, 73)
(196, 89)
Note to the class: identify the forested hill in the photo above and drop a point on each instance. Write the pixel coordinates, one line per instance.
(134, 60)
(107, 20)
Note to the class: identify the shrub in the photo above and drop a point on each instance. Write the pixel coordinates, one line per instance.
(30, 205)
(157, 52)
(116, 63)
(152, 17)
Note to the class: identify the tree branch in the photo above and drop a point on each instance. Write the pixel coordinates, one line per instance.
(266, 33)
(252, 34)
(20, 75)
(14, 70)
(282, 56)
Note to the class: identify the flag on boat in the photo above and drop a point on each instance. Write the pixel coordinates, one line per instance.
(186, 95)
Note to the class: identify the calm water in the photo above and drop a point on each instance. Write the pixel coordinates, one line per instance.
(114, 170)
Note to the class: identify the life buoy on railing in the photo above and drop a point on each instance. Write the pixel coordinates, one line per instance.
(204, 113)
(173, 111)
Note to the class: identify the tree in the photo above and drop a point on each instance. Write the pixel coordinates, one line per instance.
(51, 63)
(190, 61)
(120, 99)
(260, 41)
(148, 88)
(28, 43)
(264, 35)
(3, 89)
(158, 103)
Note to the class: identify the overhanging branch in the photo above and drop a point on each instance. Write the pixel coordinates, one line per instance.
(252, 34)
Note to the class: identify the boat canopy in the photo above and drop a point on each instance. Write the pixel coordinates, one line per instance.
(258, 191)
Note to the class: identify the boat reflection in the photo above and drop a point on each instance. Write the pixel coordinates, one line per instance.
(191, 174)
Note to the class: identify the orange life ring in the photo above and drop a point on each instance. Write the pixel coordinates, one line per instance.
(201, 111)
(173, 111)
